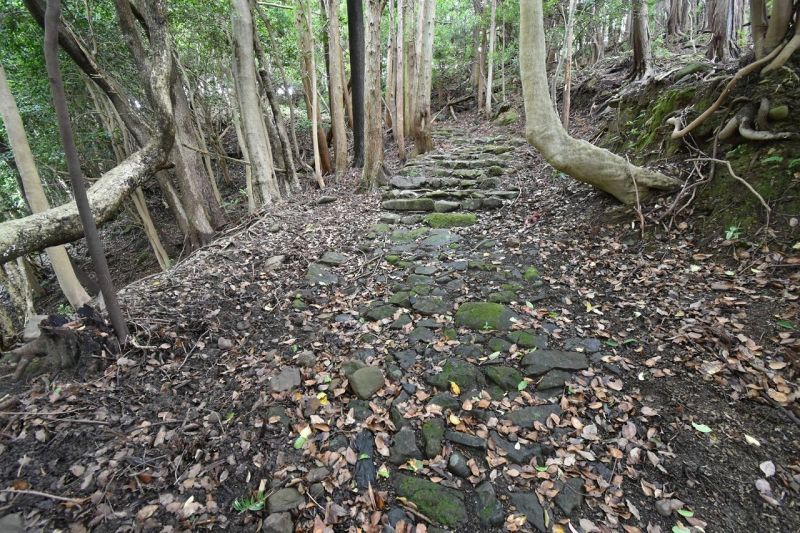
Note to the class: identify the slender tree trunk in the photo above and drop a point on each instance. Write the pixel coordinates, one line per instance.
(34, 192)
(265, 188)
(399, 126)
(568, 68)
(310, 84)
(17, 305)
(723, 25)
(248, 166)
(410, 21)
(391, 54)
(355, 30)
(490, 59)
(758, 26)
(423, 138)
(577, 158)
(373, 151)
(336, 89)
(640, 41)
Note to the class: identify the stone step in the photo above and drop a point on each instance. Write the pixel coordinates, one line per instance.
(424, 182)
(450, 194)
(446, 204)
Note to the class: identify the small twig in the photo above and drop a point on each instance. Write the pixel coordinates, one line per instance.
(636, 190)
(76, 501)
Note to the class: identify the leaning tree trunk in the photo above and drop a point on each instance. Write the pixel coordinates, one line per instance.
(422, 130)
(34, 192)
(265, 187)
(373, 149)
(640, 41)
(565, 110)
(580, 159)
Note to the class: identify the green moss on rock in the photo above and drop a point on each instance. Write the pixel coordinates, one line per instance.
(450, 220)
(531, 274)
(484, 315)
(442, 505)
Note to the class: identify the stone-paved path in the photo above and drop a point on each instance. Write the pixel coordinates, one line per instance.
(475, 378)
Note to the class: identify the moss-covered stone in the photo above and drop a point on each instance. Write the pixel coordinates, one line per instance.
(528, 339)
(466, 375)
(531, 274)
(502, 297)
(432, 435)
(450, 334)
(484, 315)
(393, 259)
(403, 236)
(450, 220)
(505, 377)
(380, 228)
(442, 505)
(400, 298)
(408, 204)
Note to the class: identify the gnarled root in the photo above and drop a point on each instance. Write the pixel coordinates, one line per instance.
(785, 53)
(742, 124)
(55, 349)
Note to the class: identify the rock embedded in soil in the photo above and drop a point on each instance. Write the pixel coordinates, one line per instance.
(526, 416)
(484, 316)
(408, 204)
(542, 361)
(457, 464)
(505, 377)
(380, 312)
(404, 447)
(285, 500)
(432, 435)
(450, 220)
(440, 504)
(466, 375)
(490, 511)
(287, 379)
(366, 381)
(553, 379)
(430, 305)
(528, 504)
(445, 206)
(463, 439)
(349, 367)
(570, 497)
(587, 345)
(278, 523)
(321, 274)
(333, 258)
(528, 339)
(518, 453)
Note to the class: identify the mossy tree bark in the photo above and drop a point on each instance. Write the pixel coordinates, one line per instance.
(577, 158)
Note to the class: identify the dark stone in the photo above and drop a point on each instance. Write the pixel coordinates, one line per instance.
(333, 258)
(526, 416)
(425, 270)
(421, 335)
(542, 361)
(286, 380)
(484, 315)
(528, 504)
(588, 345)
(554, 379)
(366, 381)
(470, 441)
(521, 456)
(361, 409)
(285, 500)
(445, 400)
(497, 344)
(430, 305)
(457, 464)
(505, 377)
(466, 375)
(278, 523)
(528, 339)
(321, 274)
(490, 511)
(502, 297)
(404, 447)
(397, 417)
(380, 312)
(406, 359)
(349, 368)
(432, 435)
(570, 497)
(468, 350)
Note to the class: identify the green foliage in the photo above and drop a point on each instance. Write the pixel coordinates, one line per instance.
(250, 503)
(733, 233)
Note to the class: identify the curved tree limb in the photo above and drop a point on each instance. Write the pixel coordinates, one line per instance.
(785, 53)
(749, 69)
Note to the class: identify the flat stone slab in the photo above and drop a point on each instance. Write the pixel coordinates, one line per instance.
(285, 500)
(333, 258)
(287, 379)
(442, 505)
(542, 361)
(408, 204)
(484, 316)
(321, 275)
(526, 416)
(366, 381)
(528, 504)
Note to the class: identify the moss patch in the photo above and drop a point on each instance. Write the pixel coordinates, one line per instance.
(450, 220)
(531, 274)
(484, 316)
(442, 505)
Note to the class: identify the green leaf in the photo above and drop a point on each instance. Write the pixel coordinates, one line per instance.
(702, 428)
(680, 529)
(522, 385)
(686, 512)
(494, 355)
(383, 472)
(363, 456)
(612, 343)
(630, 341)
(785, 324)
(300, 442)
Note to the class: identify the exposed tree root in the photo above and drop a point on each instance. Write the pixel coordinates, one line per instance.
(749, 69)
(742, 122)
(740, 180)
(785, 53)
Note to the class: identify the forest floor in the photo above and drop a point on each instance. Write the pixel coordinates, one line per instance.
(604, 381)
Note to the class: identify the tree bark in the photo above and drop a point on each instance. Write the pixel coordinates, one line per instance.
(34, 192)
(399, 125)
(723, 25)
(640, 41)
(336, 89)
(322, 162)
(568, 67)
(355, 31)
(265, 187)
(678, 17)
(758, 26)
(490, 68)
(423, 139)
(778, 24)
(580, 159)
(373, 150)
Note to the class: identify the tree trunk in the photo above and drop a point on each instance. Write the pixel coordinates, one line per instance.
(265, 187)
(322, 162)
(580, 159)
(640, 41)
(758, 26)
(778, 24)
(16, 301)
(568, 67)
(723, 25)
(399, 125)
(422, 130)
(336, 89)
(490, 58)
(373, 151)
(678, 17)
(355, 31)
(410, 22)
(34, 192)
